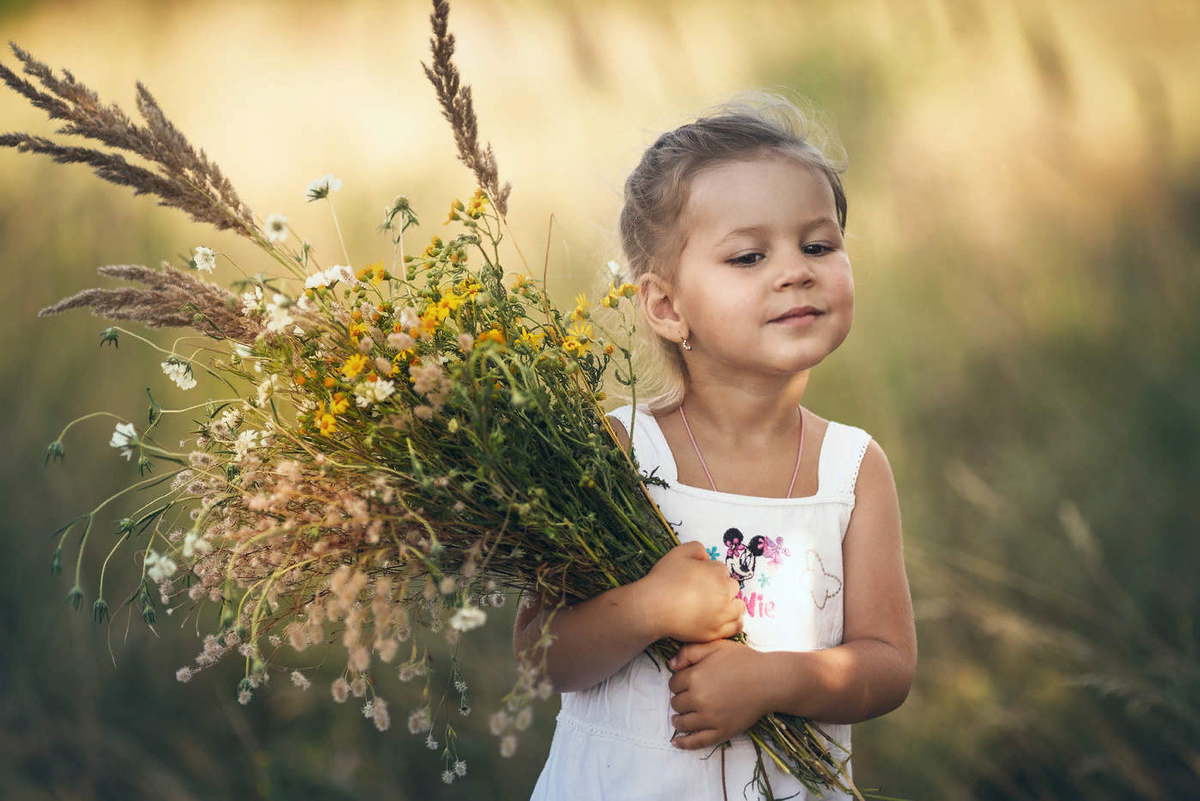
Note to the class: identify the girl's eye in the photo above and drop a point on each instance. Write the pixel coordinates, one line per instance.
(746, 259)
(815, 249)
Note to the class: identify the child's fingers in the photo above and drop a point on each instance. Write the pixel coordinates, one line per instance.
(690, 654)
(705, 738)
(688, 723)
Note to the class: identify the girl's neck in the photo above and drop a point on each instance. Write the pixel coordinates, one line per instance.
(737, 413)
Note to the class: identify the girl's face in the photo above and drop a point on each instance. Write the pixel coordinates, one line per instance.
(763, 285)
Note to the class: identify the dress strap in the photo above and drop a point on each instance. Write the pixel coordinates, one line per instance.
(650, 448)
(842, 453)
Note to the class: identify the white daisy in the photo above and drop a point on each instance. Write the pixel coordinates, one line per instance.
(369, 392)
(179, 372)
(204, 259)
(246, 441)
(124, 439)
(252, 301)
(277, 228)
(321, 187)
(278, 318)
(268, 387)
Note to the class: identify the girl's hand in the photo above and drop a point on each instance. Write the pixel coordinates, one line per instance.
(693, 598)
(718, 693)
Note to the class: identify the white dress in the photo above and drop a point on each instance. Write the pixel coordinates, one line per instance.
(612, 741)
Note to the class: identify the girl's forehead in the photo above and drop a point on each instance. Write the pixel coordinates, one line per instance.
(761, 191)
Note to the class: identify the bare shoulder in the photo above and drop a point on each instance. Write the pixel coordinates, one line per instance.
(619, 432)
(875, 474)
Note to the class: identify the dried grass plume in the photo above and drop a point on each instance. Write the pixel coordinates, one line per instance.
(185, 178)
(171, 299)
(457, 107)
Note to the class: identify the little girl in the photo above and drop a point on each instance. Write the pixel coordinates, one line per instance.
(732, 227)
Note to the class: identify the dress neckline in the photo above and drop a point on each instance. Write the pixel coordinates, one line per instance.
(654, 431)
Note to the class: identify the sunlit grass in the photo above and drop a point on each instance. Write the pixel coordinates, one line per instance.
(1019, 218)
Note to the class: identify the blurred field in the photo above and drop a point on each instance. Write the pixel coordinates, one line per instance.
(1024, 192)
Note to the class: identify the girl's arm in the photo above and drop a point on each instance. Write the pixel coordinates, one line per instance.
(868, 675)
(685, 595)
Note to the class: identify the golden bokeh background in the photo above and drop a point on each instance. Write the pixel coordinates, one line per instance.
(1025, 226)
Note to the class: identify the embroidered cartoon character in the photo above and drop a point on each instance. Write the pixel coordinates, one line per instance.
(741, 557)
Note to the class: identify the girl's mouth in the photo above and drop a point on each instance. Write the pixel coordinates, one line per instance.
(798, 316)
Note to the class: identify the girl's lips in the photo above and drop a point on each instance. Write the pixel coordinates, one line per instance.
(800, 316)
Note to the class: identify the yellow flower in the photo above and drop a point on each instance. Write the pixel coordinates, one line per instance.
(615, 293)
(354, 365)
(450, 302)
(581, 331)
(578, 339)
(339, 404)
(327, 425)
(357, 330)
(377, 273)
(491, 335)
(468, 289)
(581, 307)
(455, 207)
(533, 340)
(475, 207)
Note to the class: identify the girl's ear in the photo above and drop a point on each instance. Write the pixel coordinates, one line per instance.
(658, 303)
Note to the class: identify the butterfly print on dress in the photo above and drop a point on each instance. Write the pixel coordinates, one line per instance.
(822, 585)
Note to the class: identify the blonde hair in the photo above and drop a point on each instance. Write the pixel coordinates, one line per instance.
(656, 194)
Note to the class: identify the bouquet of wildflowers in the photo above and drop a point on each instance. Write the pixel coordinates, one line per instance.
(399, 445)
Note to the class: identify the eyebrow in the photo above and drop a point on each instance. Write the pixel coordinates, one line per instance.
(758, 229)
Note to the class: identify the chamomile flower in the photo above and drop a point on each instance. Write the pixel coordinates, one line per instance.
(204, 259)
(278, 318)
(180, 372)
(252, 302)
(277, 228)
(246, 442)
(321, 187)
(338, 272)
(370, 392)
(124, 439)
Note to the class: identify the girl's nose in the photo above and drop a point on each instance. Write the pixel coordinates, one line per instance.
(795, 270)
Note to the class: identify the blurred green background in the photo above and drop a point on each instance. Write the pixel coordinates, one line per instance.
(1024, 221)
